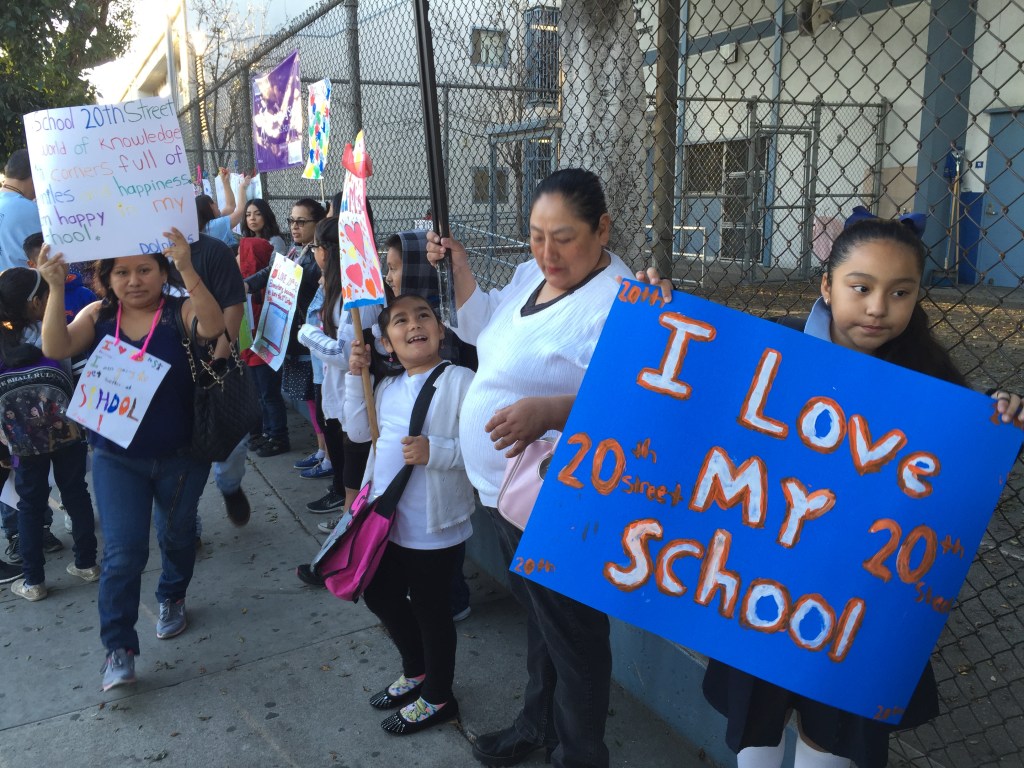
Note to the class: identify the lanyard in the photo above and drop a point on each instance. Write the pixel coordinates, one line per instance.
(137, 356)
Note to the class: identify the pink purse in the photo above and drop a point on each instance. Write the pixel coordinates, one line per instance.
(350, 563)
(524, 476)
(349, 558)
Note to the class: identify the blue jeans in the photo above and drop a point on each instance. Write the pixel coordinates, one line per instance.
(569, 663)
(9, 516)
(228, 474)
(32, 481)
(268, 385)
(129, 491)
(9, 519)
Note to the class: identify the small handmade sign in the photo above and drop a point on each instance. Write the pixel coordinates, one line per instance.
(319, 129)
(115, 390)
(769, 499)
(360, 267)
(110, 178)
(248, 326)
(277, 116)
(274, 330)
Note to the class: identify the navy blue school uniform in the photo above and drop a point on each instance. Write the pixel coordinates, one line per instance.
(757, 711)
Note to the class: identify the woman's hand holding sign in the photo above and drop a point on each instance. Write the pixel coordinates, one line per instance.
(180, 254)
(52, 268)
(653, 277)
(1010, 408)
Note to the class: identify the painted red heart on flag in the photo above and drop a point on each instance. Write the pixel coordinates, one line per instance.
(354, 232)
(355, 274)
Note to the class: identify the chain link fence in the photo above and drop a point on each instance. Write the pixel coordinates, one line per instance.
(733, 139)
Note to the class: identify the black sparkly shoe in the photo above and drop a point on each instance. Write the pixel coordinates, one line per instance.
(384, 700)
(397, 725)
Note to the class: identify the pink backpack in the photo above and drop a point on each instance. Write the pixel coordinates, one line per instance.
(350, 556)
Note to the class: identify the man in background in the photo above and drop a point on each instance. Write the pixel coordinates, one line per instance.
(19, 216)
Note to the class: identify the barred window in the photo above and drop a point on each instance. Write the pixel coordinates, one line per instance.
(488, 47)
(482, 185)
(541, 55)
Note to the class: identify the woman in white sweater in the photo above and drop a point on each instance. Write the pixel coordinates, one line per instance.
(535, 338)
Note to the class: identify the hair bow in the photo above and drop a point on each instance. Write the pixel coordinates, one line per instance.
(915, 221)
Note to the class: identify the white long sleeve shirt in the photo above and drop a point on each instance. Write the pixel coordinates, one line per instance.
(541, 354)
(333, 353)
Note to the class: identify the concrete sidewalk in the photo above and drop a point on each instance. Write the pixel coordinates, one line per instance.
(269, 672)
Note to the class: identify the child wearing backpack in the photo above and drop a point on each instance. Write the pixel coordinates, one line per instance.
(410, 591)
(34, 395)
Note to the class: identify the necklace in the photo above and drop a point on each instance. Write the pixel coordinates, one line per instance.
(8, 187)
(156, 319)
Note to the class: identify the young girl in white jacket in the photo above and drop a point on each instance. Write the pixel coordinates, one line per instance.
(328, 336)
(432, 520)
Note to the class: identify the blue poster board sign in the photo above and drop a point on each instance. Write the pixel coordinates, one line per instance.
(794, 509)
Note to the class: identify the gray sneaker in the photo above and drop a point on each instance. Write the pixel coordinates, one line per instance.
(118, 669)
(328, 526)
(13, 551)
(172, 619)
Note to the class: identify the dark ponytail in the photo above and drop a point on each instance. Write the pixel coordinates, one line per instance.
(18, 285)
(327, 237)
(918, 349)
(205, 211)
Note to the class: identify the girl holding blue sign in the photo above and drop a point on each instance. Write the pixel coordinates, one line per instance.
(153, 475)
(869, 303)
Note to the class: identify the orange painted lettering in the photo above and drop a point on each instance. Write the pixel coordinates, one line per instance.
(720, 481)
(634, 543)
(871, 456)
(752, 413)
(665, 379)
(800, 507)
(666, 579)
(714, 577)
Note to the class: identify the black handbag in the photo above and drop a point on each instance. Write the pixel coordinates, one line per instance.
(226, 406)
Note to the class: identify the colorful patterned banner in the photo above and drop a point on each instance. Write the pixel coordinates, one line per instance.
(319, 129)
(360, 267)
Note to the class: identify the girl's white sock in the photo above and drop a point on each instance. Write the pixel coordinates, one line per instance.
(808, 757)
(762, 757)
(320, 453)
(325, 463)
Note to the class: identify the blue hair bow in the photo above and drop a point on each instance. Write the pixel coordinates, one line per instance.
(915, 221)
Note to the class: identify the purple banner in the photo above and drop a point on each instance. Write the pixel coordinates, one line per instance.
(277, 116)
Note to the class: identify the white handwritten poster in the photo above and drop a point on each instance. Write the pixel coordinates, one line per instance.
(114, 391)
(111, 178)
(274, 330)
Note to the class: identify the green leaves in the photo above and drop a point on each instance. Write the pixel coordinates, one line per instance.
(45, 46)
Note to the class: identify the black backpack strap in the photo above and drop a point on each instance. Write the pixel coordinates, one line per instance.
(422, 405)
(388, 501)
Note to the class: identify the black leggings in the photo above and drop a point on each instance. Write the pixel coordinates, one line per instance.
(420, 626)
(347, 458)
